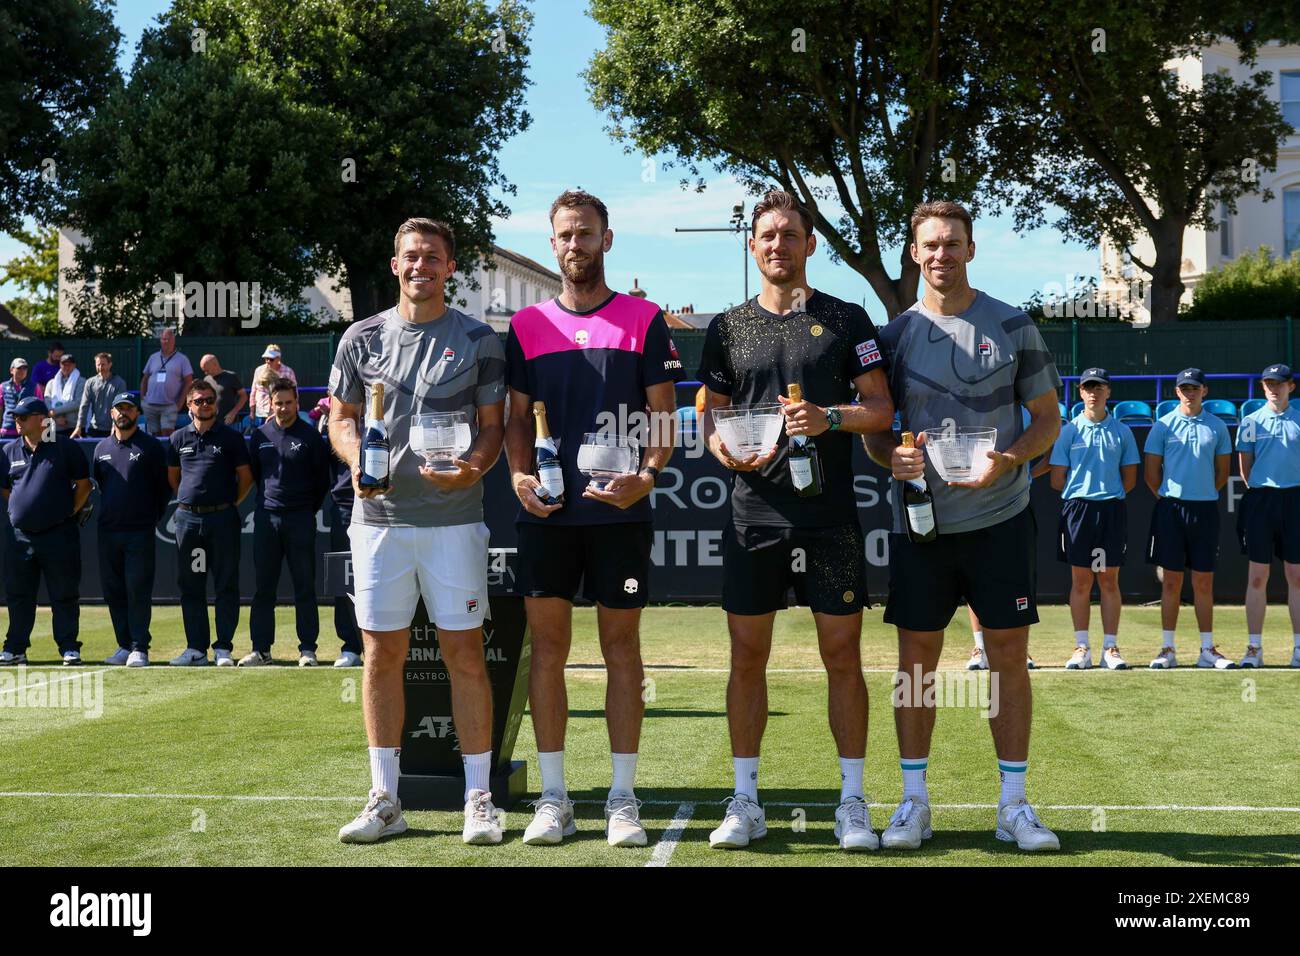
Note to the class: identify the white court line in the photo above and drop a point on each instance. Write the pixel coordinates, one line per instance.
(290, 798)
(676, 669)
(672, 835)
(52, 683)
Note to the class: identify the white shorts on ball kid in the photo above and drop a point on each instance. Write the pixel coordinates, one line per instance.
(393, 567)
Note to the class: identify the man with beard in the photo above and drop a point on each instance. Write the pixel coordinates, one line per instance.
(130, 468)
(595, 360)
(783, 533)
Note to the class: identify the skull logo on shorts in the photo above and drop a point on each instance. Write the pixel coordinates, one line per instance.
(631, 586)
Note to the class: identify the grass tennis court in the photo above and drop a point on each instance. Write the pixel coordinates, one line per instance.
(237, 766)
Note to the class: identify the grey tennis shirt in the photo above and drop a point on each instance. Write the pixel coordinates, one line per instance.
(451, 364)
(976, 368)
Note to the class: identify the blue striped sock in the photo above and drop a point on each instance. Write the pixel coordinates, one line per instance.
(914, 787)
(1012, 773)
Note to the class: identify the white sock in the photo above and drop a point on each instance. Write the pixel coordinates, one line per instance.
(1207, 640)
(746, 776)
(979, 640)
(385, 764)
(1109, 640)
(1012, 773)
(1256, 640)
(851, 777)
(552, 767)
(1081, 638)
(478, 770)
(624, 773)
(914, 787)
(1166, 639)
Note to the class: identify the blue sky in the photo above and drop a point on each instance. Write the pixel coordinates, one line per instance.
(567, 145)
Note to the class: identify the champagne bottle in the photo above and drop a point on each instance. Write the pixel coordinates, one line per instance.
(918, 504)
(550, 473)
(805, 463)
(374, 446)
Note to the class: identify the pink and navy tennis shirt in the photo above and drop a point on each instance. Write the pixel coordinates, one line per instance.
(591, 369)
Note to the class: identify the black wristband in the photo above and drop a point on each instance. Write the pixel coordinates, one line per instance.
(654, 473)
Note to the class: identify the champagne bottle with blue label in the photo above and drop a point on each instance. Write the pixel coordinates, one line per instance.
(805, 463)
(374, 445)
(550, 473)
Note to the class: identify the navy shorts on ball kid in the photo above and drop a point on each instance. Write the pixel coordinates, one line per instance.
(993, 569)
(609, 562)
(826, 568)
(1268, 525)
(1092, 534)
(1184, 535)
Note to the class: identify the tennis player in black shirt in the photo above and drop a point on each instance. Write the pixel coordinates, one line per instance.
(791, 334)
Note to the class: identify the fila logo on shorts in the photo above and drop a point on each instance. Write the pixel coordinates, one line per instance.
(471, 606)
(868, 352)
(1022, 604)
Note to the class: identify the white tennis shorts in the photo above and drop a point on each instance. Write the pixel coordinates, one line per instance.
(393, 567)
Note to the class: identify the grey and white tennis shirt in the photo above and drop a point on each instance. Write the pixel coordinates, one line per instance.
(977, 368)
(451, 364)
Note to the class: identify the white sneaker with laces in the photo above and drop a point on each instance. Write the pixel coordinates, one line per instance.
(307, 659)
(552, 820)
(348, 659)
(977, 661)
(1112, 660)
(1254, 657)
(119, 657)
(8, 657)
(853, 826)
(71, 658)
(1165, 660)
(1210, 657)
(138, 659)
(1018, 824)
(190, 657)
(481, 824)
(253, 659)
(744, 820)
(224, 658)
(1030, 665)
(1081, 659)
(909, 825)
(381, 817)
(622, 820)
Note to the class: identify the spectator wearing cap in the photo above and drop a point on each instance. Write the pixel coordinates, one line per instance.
(165, 385)
(207, 466)
(291, 468)
(1094, 464)
(95, 414)
(1268, 518)
(17, 388)
(340, 518)
(1187, 456)
(271, 370)
(130, 468)
(232, 397)
(48, 367)
(63, 393)
(46, 481)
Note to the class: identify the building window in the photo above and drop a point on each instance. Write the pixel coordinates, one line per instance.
(1291, 98)
(1291, 221)
(1225, 232)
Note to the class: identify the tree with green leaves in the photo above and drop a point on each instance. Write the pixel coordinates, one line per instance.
(1108, 132)
(36, 273)
(57, 58)
(871, 105)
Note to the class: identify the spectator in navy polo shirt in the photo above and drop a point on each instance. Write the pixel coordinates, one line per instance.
(46, 481)
(207, 465)
(130, 468)
(340, 515)
(291, 467)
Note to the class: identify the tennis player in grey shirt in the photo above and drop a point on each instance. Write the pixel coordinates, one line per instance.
(425, 536)
(959, 357)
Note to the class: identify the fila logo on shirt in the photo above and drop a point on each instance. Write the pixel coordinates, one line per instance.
(868, 352)
(471, 606)
(985, 348)
(449, 354)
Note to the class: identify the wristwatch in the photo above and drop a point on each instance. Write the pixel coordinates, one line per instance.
(654, 474)
(833, 418)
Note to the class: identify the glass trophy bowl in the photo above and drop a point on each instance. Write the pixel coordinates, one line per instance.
(440, 438)
(960, 452)
(749, 429)
(603, 457)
